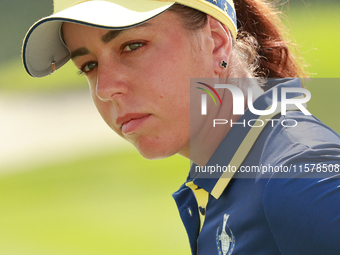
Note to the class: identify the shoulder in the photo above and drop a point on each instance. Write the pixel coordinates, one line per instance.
(304, 214)
(296, 136)
(302, 207)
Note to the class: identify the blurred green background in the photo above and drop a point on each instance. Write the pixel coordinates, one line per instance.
(116, 202)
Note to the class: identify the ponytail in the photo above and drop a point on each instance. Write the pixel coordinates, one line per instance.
(259, 19)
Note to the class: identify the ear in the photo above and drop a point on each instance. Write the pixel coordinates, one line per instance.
(222, 43)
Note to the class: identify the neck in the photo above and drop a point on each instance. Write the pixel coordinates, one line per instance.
(204, 136)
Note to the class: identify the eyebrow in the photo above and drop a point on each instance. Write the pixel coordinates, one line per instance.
(106, 38)
(109, 36)
(112, 34)
(79, 52)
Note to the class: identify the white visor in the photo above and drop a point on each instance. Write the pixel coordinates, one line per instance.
(43, 48)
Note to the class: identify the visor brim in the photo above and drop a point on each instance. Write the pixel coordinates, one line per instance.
(43, 44)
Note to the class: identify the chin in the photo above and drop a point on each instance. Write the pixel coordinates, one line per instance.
(156, 149)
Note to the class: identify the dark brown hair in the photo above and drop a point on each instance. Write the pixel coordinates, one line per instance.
(260, 41)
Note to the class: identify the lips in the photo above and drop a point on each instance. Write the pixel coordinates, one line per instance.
(131, 122)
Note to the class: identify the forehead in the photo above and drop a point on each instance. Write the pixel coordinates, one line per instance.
(168, 18)
(105, 34)
(73, 33)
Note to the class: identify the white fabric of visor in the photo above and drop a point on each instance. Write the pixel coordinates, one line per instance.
(43, 44)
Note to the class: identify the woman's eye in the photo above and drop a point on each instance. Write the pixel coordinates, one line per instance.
(132, 46)
(88, 67)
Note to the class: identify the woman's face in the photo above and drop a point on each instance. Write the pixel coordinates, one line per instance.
(140, 79)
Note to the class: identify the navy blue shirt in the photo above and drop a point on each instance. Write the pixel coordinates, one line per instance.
(295, 210)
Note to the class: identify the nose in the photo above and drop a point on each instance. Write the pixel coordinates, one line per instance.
(111, 82)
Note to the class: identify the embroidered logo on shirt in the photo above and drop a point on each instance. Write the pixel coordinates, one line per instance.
(225, 239)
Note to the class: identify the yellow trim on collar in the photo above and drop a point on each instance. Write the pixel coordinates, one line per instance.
(202, 198)
(243, 151)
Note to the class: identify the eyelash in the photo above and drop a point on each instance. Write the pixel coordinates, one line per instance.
(82, 72)
(141, 43)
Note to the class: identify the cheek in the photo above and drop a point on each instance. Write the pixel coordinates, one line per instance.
(100, 105)
(106, 112)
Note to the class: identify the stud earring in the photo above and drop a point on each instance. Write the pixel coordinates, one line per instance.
(223, 64)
